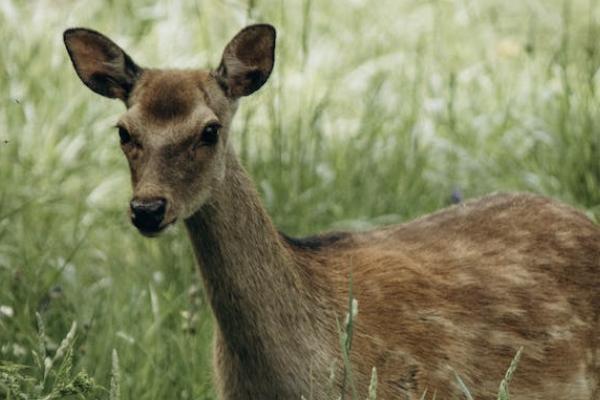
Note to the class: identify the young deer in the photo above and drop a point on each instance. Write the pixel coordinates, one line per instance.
(460, 290)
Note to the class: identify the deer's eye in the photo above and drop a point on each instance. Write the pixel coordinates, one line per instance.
(124, 136)
(210, 134)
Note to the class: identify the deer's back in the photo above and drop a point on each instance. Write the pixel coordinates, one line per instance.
(462, 289)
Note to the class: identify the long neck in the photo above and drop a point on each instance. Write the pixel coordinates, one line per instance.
(260, 297)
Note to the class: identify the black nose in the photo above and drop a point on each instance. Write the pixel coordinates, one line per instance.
(148, 214)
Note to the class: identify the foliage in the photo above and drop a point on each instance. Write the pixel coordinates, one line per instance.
(377, 112)
(48, 378)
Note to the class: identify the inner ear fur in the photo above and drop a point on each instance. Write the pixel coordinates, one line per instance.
(101, 64)
(247, 60)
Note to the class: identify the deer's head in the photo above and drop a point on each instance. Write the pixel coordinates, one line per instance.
(175, 131)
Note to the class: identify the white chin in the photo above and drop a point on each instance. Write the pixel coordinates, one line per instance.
(199, 201)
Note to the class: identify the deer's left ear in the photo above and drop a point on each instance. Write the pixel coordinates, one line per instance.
(247, 60)
(102, 65)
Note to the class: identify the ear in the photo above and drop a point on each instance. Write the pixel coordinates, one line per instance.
(100, 63)
(247, 60)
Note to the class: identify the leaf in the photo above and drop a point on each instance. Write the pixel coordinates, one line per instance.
(115, 377)
(463, 387)
(503, 393)
(373, 385)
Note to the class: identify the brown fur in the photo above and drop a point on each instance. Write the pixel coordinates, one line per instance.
(460, 290)
(464, 288)
(172, 96)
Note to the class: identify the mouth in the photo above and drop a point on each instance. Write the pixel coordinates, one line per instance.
(152, 232)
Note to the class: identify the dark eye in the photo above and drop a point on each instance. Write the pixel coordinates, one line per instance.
(210, 134)
(124, 136)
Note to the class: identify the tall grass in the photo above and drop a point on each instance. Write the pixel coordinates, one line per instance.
(377, 112)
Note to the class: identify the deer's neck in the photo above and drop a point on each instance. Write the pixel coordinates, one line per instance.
(261, 299)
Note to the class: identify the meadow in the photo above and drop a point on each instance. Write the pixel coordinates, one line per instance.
(377, 112)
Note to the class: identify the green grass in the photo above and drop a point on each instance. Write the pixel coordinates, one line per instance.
(377, 112)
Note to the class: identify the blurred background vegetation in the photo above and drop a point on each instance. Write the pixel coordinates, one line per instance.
(377, 112)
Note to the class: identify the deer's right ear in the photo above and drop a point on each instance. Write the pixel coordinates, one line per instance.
(102, 65)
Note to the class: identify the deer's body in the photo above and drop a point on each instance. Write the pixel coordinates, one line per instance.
(460, 290)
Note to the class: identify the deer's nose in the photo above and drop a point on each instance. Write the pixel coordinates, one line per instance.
(148, 214)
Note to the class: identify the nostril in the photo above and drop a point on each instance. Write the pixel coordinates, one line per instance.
(135, 205)
(156, 207)
(161, 205)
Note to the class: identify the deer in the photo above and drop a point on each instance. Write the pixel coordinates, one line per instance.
(458, 291)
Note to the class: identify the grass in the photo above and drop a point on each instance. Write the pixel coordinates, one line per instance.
(377, 112)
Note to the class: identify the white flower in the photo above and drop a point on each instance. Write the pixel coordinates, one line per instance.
(6, 311)
(508, 48)
(126, 337)
(158, 277)
(18, 350)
